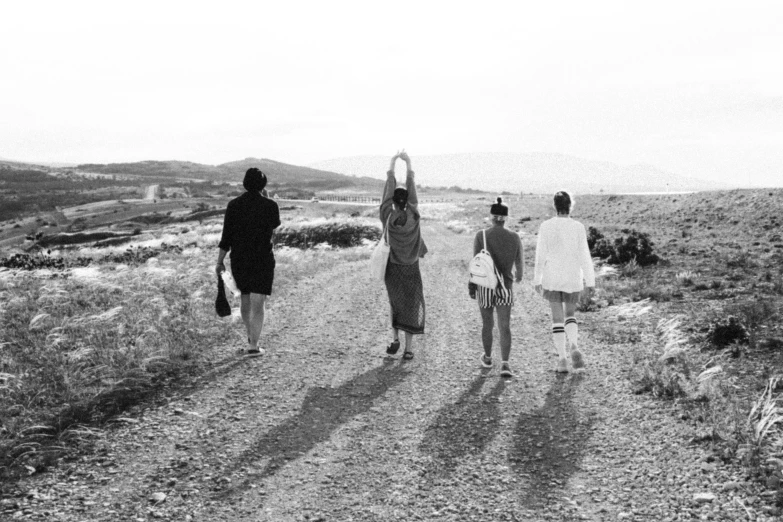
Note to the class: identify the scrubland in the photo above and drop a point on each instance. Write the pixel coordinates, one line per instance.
(89, 331)
(110, 327)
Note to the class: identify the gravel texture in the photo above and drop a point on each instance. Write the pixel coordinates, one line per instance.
(325, 427)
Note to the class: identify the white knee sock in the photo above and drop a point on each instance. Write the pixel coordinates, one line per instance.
(558, 337)
(571, 330)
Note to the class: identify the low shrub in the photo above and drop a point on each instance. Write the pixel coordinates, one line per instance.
(727, 331)
(74, 239)
(139, 255)
(40, 260)
(633, 245)
(341, 234)
(664, 371)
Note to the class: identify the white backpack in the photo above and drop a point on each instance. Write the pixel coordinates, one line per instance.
(482, 269)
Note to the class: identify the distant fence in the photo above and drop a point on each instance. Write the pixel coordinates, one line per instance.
(362, 199)
(351, 199)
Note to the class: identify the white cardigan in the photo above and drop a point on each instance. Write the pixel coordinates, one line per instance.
(563, 259)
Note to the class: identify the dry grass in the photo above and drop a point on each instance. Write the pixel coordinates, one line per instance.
(79, 345)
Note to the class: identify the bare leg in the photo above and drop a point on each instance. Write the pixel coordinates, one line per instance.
(252, 308)
(504, 328)
(408, 342)
(395, 332)
(558, 314)
(487, 324)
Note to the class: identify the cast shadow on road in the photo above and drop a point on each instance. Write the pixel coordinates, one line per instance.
(462, 428)
(549, 443)
(323, 410)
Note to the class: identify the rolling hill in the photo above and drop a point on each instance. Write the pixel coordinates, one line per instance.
(536, 172)
(281, 175)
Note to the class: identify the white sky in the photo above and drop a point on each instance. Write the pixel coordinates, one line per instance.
(691, 87)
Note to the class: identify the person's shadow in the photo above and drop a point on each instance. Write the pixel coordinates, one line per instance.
(323, 410)
(462, 428)
(549, 443)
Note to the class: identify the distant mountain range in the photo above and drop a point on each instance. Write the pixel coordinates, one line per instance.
(281, 175)
(535, 172)
(496, 172)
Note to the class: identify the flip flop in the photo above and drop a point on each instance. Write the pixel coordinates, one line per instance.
(393, 347)
(407, 355)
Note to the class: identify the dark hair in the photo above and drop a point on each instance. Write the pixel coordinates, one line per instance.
(498, 209)
(562, 202)
(400, 198)
(254, 181)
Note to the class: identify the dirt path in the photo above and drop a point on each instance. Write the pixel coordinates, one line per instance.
(324, 427)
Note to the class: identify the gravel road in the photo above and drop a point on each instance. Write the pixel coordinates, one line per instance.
(325, 427)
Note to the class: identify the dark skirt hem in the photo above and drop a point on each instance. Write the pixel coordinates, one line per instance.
(406, 297)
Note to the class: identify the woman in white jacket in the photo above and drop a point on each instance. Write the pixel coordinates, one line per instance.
(563, 269)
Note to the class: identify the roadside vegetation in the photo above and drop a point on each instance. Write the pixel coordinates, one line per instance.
(690, 287)
(700, 315)
(88, 332)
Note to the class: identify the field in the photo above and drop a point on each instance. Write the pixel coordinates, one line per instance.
(95, 336)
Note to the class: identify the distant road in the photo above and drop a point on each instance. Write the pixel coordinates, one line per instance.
(152, 192)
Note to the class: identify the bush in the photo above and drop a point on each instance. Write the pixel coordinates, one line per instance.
(337, 234)
(634, 246)
(728, 331)
(38, 261)
(593, 236)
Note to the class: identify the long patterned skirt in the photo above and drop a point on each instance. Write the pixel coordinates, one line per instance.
(406, 297)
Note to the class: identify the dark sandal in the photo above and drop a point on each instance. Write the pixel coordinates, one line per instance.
(393, 347)
(407, 355)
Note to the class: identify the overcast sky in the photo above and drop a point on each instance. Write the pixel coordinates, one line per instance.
(691, 87)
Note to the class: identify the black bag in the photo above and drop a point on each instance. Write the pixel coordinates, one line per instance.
(222, 307)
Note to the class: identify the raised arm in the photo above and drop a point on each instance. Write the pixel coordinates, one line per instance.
(410, 184)
(388, 190)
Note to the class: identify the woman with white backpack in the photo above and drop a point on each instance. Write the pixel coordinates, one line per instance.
(495, 294)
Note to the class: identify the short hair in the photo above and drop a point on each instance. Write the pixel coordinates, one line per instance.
(400, 198)
(255, 180)
(563, 202)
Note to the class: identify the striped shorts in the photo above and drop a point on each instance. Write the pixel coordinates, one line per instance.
(489, 298)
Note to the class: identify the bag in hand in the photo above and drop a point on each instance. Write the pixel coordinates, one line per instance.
(380, 255)
(222, 307)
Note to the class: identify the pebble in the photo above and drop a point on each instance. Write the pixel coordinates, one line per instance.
(157, 497)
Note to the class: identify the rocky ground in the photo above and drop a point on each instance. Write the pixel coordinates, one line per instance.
(325, 427)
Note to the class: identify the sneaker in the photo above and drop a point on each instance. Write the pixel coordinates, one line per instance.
(255, 352)
(486, 362)
(562, 365)
(577, 359)
(505, 370)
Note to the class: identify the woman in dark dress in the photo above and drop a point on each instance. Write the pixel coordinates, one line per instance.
(399, 212)
(247, 233)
